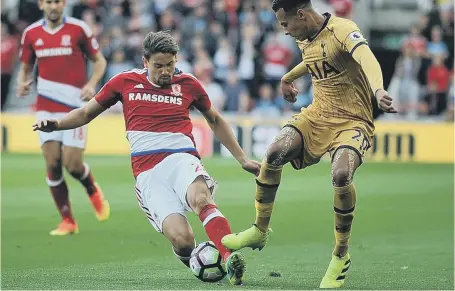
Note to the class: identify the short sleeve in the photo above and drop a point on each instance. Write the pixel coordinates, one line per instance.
(201, 99)
(111, 92)
(89, 44)
(27, 54)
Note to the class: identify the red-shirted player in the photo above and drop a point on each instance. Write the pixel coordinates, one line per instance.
(170, 178)
(59, 46)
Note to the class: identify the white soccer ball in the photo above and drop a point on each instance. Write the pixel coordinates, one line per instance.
(206, 263)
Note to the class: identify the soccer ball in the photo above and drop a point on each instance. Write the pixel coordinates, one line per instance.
(205, 263)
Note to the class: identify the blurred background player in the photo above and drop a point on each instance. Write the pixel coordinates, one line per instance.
(170, 178)
(346, 77)
(59, 45)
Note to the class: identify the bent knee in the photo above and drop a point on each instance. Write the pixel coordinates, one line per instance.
(199, 195)
(286, 147)
(74, 167)
(273, 152)
(54, 168)
(341, 177)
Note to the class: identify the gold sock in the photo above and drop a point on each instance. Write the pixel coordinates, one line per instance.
(344, 200)
(266, 186)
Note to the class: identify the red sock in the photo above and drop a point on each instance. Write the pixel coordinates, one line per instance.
(59, 192)
(216, 226)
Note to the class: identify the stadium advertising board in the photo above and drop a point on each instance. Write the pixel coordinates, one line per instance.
(419, 142)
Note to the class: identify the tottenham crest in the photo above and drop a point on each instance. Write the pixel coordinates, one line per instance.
(176, 90)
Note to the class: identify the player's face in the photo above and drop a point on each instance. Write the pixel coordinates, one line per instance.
(293, 24)
(161, 68)
(53, 9)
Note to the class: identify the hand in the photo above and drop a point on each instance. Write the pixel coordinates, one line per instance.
(385, 101)
(289, 91)
(23, 88)
(88, 92)
(48, 125)
(251, 166)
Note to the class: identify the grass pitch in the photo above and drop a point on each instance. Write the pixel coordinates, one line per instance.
(402, 233)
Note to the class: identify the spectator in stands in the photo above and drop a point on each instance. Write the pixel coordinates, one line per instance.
(235, 91)
(118, 64)
(404, 84)
(277, 58)
(436, 47)
(266, 106)
(343, 8)
(9, 54)
(223, 60)
(416, 41)
(213, 89)
(451, 100)
(438, 78)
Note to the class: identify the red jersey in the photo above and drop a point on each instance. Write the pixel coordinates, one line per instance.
(439, 75)
(60, 54)
(156, 118)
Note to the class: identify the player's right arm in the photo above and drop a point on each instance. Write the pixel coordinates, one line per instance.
(76, 118)
(106, 97)
(27, 56)
(287, 82)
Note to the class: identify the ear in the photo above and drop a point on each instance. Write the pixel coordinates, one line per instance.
(301, 13)
(144, 60)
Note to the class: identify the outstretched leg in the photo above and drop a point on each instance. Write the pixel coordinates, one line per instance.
(345, 162)
(180, 234)
(286, 147)
(199, 198)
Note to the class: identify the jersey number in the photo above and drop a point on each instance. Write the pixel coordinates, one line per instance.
(78, 133)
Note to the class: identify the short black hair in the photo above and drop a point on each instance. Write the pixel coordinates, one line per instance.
(289, 5)
(159, 42)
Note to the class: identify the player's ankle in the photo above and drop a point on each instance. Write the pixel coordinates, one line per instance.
(261, 228)
(69, 219)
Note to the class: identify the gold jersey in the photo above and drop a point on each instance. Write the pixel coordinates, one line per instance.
(341, 88)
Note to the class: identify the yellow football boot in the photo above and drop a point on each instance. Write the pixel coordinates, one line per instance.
(336, 272)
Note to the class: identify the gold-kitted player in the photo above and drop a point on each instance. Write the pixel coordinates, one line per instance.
(346, 77)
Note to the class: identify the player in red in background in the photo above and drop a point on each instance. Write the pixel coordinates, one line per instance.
(170, 178)
(59, 45)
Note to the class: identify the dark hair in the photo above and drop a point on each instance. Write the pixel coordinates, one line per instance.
(289, 5)
(159, 42)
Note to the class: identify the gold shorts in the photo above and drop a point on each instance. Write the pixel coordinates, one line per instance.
(321, 135)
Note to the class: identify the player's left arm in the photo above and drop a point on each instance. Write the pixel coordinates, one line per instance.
(370, 66)
(223, 132)
(90, 47)
(221, 127)
(357, 46)
(99, 67)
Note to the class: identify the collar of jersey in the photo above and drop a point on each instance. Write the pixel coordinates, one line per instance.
(45, 27)
(326, 21)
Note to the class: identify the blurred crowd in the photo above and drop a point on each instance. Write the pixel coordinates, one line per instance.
(423, 80)
(239, 52)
